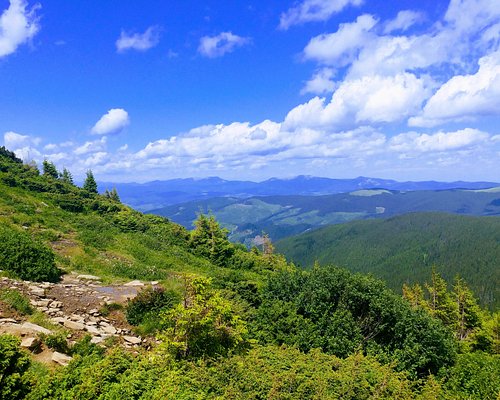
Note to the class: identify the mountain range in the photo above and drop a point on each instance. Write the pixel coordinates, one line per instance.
(283, 216)
(157, 194)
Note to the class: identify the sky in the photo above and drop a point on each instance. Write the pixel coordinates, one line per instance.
(249, 90)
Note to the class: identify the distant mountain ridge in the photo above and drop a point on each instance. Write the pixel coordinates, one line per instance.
(282, 216)
(158, 194)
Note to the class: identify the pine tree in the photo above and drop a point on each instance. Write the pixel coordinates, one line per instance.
(90, 185)
(67, 177)
(441, 304)
(113, 195)
(469, 312)
(49, 169)
(415, 295)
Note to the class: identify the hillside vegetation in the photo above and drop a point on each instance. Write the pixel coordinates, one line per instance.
(226, 322)
(283, 216)
(404, 249)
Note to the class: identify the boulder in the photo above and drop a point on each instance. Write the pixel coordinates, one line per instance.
(8, 321)
(36, 328)
(134, 283)
(76, 326)
(109, 329)
(132, 339)
(30, 343)
(61, 358)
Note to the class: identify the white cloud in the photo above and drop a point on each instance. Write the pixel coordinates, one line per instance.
(95, 159)
(371, 99)
(314, 10)
(138, 41)
(340, 48)
(112, 122)
(217, 46)
(404, 20)
(320, 83)
(14, 140)
(465, 96)
(90, 147)
(437, 142)
(17, 26)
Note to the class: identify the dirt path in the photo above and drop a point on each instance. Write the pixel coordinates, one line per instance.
(77, 303)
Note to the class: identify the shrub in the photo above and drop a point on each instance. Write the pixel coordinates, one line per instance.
(16, 300)
(148, 301)
(14, 364)
(25, 257)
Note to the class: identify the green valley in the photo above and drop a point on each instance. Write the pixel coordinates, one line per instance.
(403, 249)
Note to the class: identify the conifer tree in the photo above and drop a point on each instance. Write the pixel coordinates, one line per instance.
(49, 169)
(67, 177)
(90, 185)
(441, 304)
(469, 312)
(113, 195)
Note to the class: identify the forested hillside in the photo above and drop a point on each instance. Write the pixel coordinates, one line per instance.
(404, 249)
(283, 216)
(221, 321)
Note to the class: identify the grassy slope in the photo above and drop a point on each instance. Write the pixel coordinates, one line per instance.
(404, 249)
(95, 242)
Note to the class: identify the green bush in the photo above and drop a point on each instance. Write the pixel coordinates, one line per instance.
(14, 364)
(150, 301)
(474, 376)
(56, 341)
(28, 259)
(16, 300)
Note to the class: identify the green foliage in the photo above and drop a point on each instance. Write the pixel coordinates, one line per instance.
(9, 155)
(149, 302)
(108, 308)
(403, 250)
(474, 376)
(25, 257)
(341, 312)
(16, 300)
(457, 309)
(67, 177)
(90, 185)
(49, 169)
(14, 364)
(112, 195)
(209, 240)
(203, 325)
(56, 341)
(85, 348)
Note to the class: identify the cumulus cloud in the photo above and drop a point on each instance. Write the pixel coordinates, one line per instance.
(371, 99)
(112, 122)
(320, 83)
(341, 47)
(404, 20)
(138, 41)
(465, 96)
(25, 146)
(18, 25)
(440, 141)
(314, 10)
(13, 140)
(91, 146)
(224, 42)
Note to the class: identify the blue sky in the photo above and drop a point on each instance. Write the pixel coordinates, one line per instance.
(148, 90)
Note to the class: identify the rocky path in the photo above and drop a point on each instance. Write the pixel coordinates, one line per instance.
(77, 303)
